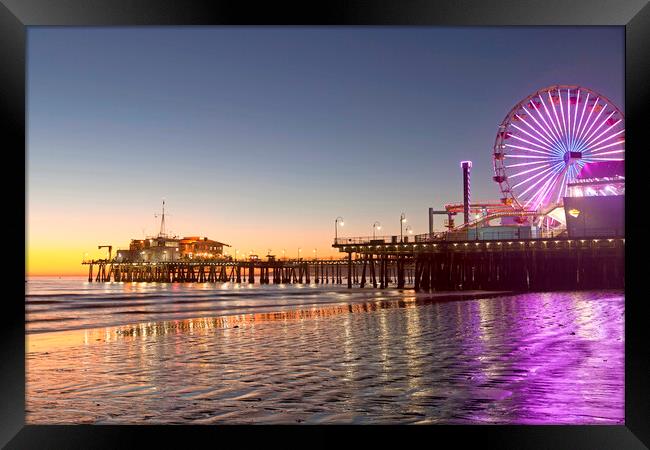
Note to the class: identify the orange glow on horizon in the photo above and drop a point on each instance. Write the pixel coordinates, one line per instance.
(57, 259)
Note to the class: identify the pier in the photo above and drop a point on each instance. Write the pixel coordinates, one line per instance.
(431, 262)
(289, 271)
(441, 263)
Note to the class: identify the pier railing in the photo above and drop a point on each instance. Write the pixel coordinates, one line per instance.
(488, 236)
(478, 235)
(373, 240)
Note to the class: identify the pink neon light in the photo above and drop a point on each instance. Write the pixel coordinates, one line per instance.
(541, 134)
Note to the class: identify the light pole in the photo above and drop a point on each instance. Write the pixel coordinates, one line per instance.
(375, 226)
(236, 253)
(402, 219)
(284, 251)
(299, 250)
(336, 227)
(409, 230)
(315, 254)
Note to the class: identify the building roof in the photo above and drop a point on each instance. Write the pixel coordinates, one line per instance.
(192, 239)
(602, 169)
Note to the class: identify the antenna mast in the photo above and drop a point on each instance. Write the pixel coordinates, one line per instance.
(162, 221)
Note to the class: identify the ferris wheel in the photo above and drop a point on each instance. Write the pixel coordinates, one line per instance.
(546, 139)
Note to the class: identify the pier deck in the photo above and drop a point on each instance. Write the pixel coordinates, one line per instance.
(428, 263)
(443, 262)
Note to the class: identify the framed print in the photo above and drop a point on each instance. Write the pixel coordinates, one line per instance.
(343, 214)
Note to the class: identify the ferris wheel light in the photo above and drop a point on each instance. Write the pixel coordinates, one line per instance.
(552, 135)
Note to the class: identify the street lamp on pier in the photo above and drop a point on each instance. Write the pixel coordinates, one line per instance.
(336, 227)
(315, 254)
(299, 250)
(284, 251)
(402, 220)
(375, 226)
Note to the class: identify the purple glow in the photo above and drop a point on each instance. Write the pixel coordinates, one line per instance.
(548, 150)
(526, 171)
(611, 136)
(532, 177)
(525, 164)
(546, 127)
(527, 149)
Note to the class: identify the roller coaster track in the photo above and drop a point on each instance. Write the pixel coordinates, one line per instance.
(496, 215)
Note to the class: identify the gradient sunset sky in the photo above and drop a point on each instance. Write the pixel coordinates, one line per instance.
(261, 137)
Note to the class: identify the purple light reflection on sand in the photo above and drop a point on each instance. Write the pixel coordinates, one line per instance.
(547, 358)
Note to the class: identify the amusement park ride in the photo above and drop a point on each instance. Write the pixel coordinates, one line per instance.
(541, 148)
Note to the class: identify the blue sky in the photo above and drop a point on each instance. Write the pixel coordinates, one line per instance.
(251, 133)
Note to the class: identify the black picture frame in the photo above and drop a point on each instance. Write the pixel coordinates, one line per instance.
(16, 15)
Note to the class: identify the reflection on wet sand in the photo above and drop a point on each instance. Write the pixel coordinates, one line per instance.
(530, 358)
(108, 334)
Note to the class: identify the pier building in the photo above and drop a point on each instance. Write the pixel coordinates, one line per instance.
(164, 248)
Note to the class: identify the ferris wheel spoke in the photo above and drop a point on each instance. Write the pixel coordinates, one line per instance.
(556, 137)
(581, 164)
(568, 118)
(527, 156)
(603, 122)
(551, 139)
(547, 149)
(561, 187)
(557, 119)
(575, 117)
(542, 172)
(519, 147)
(524, 164)
(547, 142)
(588, 132)
(546, 127)
(552, 128)
(593, 150)
(564, 123)
(539, 195)
(556, 169)
(590, 146)
(611, 152)
(590, 142)
(547, 194)
(569, 127)
(591, 111)
(582, 114)
(607, 159)
(510, 177)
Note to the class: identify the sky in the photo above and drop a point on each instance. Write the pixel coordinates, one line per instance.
(260, 137)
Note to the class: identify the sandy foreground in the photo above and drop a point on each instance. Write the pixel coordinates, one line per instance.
(555, 358)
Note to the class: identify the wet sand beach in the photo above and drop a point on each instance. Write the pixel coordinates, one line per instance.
(397, 357)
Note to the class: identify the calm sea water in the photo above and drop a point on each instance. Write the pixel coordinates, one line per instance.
(224, 353)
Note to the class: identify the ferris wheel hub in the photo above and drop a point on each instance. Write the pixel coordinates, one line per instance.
(546, 139)
(572, 157)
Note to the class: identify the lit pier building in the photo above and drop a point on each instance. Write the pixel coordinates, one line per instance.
(160, 249)
(163, 248)
(595, 201)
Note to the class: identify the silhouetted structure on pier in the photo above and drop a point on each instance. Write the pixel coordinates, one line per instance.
(431, 263)
(439, 263)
